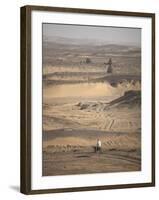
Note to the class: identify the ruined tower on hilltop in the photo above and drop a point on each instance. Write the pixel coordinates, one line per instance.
(109, 69)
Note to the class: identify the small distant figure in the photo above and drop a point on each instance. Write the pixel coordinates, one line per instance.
(98, 146)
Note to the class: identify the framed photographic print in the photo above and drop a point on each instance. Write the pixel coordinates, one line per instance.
(87, 99)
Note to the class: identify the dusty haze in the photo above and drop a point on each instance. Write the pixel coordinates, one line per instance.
(83, 101)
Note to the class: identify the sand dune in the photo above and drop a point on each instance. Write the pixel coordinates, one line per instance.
(130, 99)
(91, 89)
(98, 118)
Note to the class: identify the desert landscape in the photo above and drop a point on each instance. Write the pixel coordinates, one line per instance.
(91, 90)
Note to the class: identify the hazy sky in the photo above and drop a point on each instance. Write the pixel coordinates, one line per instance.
(113, 35)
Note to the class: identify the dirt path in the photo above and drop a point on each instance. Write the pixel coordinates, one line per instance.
(89, 162)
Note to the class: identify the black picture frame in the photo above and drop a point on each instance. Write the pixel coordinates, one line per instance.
(25, 182)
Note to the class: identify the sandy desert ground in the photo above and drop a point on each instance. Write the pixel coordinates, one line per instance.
(82, 103)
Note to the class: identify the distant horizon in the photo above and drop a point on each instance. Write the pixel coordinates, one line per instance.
(99, 35)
